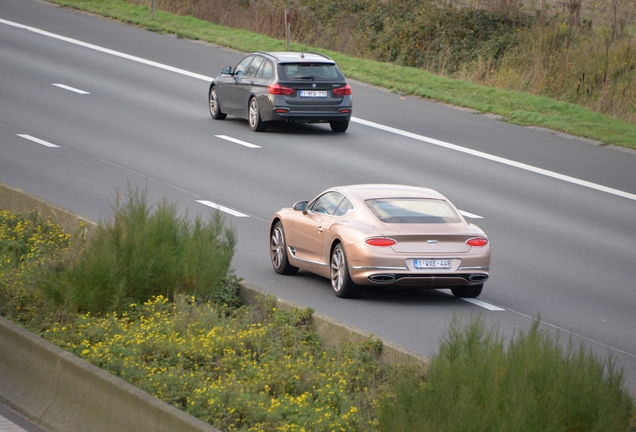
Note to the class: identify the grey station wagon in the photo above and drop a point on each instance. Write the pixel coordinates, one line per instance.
(283, 86)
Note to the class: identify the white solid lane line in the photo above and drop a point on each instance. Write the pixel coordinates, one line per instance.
(73, 89)
(414, 136)
(221, 208)
(37, 140)
(106, 50)
(497, 159)
(237, 141)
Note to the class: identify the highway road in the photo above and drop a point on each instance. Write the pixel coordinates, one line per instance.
(90, 106)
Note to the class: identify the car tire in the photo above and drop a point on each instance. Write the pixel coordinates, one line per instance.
(254, 116)
(215, 108)
(467, 291)
(339, 126)
(341, 281)
(278, 251)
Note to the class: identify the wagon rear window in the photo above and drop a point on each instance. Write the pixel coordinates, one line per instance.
(413, 210)
(309, 71)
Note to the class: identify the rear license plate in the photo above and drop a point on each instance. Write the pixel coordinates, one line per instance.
(313, 93)
(432, 264)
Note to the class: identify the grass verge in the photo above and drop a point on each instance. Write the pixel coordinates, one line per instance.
(515, 107)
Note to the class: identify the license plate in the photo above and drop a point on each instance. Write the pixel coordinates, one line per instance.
(313, 93)
(432, 264)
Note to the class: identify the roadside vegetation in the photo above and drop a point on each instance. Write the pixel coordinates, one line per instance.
(542, 67)
(135, 300)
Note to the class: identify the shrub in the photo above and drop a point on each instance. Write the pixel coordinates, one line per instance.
(29, 246)
(475, 384)
(143, 253)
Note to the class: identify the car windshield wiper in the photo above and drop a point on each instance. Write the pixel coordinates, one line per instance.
(311, 77)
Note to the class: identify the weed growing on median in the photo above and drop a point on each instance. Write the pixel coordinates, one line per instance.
(475, 383)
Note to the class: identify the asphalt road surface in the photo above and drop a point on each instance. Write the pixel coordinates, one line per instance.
(90, 106)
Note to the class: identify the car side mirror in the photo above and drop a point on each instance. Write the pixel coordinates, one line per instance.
(227, 70)
(301, 206)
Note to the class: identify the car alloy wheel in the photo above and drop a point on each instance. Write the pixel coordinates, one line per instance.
(278, 251)
(256, 124)
(341, 282)
(215, 109)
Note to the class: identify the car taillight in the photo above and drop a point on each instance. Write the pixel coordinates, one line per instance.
(380, 241)
(477, 241)
(342, 91)
(277, 89)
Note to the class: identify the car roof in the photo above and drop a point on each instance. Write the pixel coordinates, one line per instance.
(369, 191)
(295, 57)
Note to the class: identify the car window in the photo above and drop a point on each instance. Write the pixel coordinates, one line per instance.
(253, 68)
(413, 210)
(344, 207)
(327, 203)
(242, 66)
(315, 71)
(266, 70)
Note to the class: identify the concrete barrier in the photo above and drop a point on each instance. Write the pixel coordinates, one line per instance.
(18, 201)
(63, 393)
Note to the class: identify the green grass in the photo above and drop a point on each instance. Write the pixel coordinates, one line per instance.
(515, 107)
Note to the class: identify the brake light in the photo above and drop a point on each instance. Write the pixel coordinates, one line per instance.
(342, 91)
(380, 241)
(277, 89)
(477, 241)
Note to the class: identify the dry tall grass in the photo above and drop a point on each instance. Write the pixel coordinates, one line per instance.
(570, 52)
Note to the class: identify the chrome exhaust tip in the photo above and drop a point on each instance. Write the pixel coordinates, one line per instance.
(382, 278)
(477, 277)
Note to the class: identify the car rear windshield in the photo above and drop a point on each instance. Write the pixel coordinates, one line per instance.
(413, 210)
(315, 71)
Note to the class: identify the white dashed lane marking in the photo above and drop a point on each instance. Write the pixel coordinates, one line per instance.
(37, 140)
(237, 141)
(222, 208)
(73, 89)
(474, 301)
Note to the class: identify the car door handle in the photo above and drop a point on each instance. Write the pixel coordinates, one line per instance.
(320, 229)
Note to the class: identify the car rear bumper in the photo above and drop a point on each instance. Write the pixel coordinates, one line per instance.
(284, 114)
(443, 280)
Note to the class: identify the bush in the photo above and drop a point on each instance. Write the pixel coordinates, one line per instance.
(29, 246)
(143, 253)
(476, 384)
